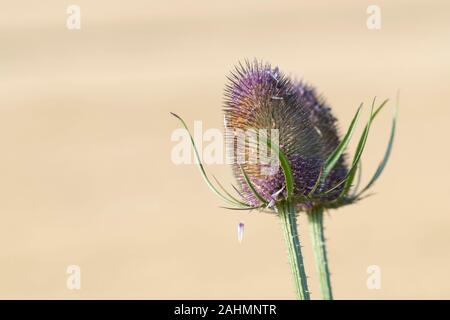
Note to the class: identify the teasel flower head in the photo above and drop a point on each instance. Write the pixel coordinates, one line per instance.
(315, 171)
(315, 174)
(259, 97)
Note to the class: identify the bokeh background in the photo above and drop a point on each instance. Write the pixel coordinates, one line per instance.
(86, 176)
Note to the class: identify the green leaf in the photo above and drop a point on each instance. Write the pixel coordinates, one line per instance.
(243, 209)
(229, 194)
(360, 148)
(288, 176)
(334, 187)
(237, 191)
(316, 185)
(387, 154)
(284, 163)
(337, 153)
(201, 168)
(251, 186)
(287, 171)
(359, 178)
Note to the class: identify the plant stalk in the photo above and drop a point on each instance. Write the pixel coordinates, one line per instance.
(315, 218)
(289, 223)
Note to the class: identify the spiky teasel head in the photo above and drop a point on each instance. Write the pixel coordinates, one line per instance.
(311, 170)
(259, 97)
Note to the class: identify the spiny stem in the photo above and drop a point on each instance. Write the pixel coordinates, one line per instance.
(289, 223)
(315, 218)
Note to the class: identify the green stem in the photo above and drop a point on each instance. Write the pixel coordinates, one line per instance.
(289, 223)
(315, 218)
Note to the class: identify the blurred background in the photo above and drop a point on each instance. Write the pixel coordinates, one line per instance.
(86, 176)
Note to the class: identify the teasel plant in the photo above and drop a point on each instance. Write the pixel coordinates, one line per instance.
(316, 174)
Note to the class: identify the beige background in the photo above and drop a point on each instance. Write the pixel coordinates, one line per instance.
(85, 170)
